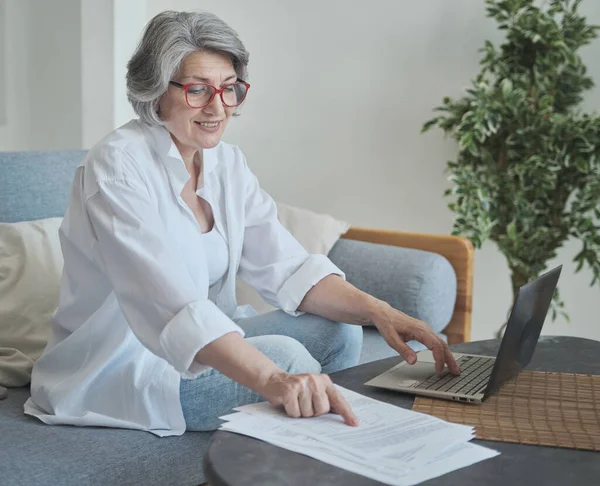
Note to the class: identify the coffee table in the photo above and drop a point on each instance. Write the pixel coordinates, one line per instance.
(236, 460)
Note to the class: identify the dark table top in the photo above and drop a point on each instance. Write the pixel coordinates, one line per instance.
(236, 460)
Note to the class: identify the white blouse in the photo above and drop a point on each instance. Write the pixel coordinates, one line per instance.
(216, 247)
(134, 304)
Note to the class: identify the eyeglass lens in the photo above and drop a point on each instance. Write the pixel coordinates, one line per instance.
(200, 95)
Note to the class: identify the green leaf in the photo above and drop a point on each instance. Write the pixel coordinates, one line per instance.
(507, 87)
(430, 124)
(466, 140)
(511, 230)
(581, 165)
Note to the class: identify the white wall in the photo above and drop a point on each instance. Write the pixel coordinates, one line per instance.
(339, 92)
(64, 66)
(54, 80)
(43, 75)
(3, 90)
(14, 130)
(110, 31)
(129, 21)
(97, 70)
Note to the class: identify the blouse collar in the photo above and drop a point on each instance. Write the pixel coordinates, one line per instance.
(161, 140)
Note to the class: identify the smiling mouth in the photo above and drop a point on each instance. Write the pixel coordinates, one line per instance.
(209, 124)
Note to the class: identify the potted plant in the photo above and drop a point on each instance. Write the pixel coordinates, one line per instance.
(527, 173)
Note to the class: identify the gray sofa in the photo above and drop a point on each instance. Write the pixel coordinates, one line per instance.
(36, 185)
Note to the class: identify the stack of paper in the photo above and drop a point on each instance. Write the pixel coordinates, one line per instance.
(392, 445)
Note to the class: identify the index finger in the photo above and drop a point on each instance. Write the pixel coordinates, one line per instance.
(440, 357)
(340, 406)
(441, 353)
(451, 362)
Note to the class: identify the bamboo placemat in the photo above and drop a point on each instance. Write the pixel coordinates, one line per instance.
(550, 409)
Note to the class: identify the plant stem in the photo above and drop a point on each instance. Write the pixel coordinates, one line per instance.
(532, 90)
(517, 281)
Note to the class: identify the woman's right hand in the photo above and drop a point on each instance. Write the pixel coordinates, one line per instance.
(302, 395)
(307, 395)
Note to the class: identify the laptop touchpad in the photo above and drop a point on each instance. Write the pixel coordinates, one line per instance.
(425, 357)
(408, 375)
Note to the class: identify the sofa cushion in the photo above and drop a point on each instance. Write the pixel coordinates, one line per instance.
(46, 455)
(317, 233)
(36, 185)
(30, 268)
(419, 283)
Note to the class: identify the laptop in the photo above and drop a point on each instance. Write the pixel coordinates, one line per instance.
(481, 376)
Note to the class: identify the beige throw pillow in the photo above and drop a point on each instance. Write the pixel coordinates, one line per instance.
(317, 233)
(30, 269)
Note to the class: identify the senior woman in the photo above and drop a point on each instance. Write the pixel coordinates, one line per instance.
(162, 217)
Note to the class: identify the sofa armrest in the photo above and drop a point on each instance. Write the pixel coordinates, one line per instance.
(457, 250)
(419, 283)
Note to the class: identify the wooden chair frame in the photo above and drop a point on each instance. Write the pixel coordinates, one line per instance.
(457, 250)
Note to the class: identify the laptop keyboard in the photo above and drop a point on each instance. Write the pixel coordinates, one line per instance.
(475, 373)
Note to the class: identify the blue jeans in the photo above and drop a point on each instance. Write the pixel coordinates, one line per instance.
(302, 344)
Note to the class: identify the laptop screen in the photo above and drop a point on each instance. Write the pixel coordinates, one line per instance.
(523, 328)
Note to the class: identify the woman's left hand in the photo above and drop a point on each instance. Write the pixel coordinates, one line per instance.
(398, 328)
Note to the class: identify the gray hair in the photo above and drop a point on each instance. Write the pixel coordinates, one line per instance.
(167, 39)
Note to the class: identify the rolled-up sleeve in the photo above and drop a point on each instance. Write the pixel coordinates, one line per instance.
(273, 262)
(166, 307)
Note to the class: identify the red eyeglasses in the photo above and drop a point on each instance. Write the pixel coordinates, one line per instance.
(199, 95)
